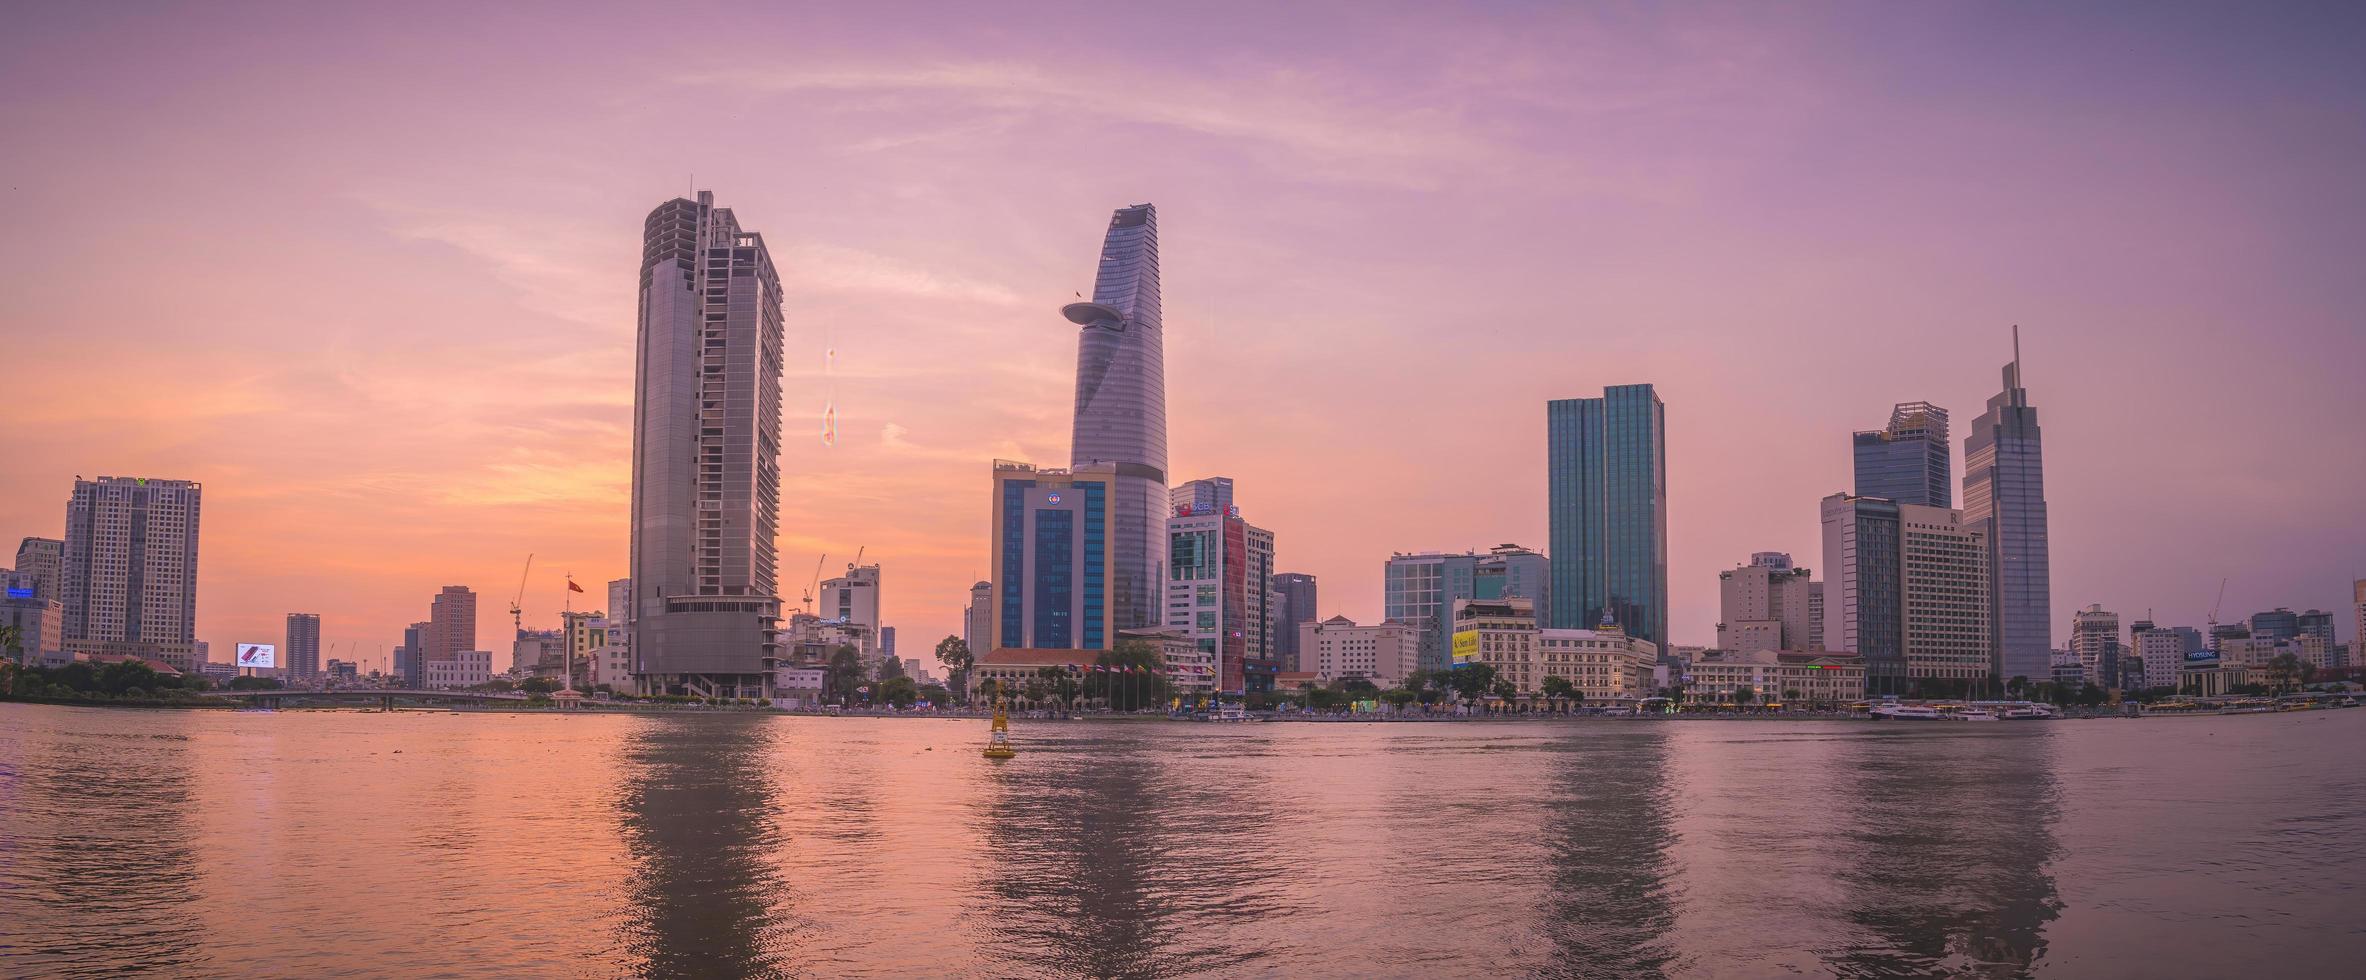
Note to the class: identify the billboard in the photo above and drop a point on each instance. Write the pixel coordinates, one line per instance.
(1466, 647)
(262, 655)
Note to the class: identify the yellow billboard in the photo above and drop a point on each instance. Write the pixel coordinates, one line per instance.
(1466, 646)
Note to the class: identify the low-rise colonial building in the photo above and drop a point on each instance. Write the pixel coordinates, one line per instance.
(1606, 665)
(1337, 649)
(1776, 677)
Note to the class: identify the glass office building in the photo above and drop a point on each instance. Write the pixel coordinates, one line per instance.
(1050, 548)
(1608, 495)
(1121, 410)
(2004, 498)
(1908, 461)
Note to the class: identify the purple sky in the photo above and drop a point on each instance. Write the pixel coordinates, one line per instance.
(369, 273)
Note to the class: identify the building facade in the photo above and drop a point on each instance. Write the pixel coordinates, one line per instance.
(44, 560)
(1121, 412)
(299, 651)
(466, 669)
(1864, 590)
(38, 618)
(1295, 598)
(1509, 570)
(451, 623)
(977, 618)
(2095, 640)
(1220, 590)
(1907, 461)
(128, 569)
(2164, 652)
(853, 599)
(1820, 680)
(1500, 633)
(1050, 551)
(1944, 577)
(1768, 605)
(2004, 498)
(706, 455)
(1419, 590)
(1607, 490)
(1335, 649)
(1607, 665)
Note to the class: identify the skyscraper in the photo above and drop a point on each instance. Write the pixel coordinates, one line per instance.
(1864, 589)
(299, 652)
(1509, 570)
(1766, 605)
(1419, 590)
(410, 659)
(2095, 640)
(1050, 552)
(1212, 495)
(1909, 585)
(1608, 496)
(977, 619)
(1295, 600)
(1220, 592)
(1121, 411)
(451, 628)
(706, 455)
(128, 574)
(2004, 498)
(1907, 462)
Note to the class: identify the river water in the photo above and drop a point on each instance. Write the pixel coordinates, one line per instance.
(482, 844)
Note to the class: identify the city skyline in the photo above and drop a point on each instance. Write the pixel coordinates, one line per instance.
(480, 355)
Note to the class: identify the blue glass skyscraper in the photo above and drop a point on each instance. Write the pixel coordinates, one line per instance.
(1608, 497)
(1121, 411)
(1908, 461)
(2004, 497)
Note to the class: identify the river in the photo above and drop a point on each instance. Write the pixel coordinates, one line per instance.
(328, 843)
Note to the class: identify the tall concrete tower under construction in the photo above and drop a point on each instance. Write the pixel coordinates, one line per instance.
(1121, 411)
(706, 455)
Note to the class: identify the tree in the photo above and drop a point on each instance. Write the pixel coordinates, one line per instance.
(1471, 681)
(12, 643)
(898, 691)
(953, 652)
(1059, 683)
(890, 668)
(1397, 697)
(1505, 692)
(1555, 689)
(2284, 671)
(843, 674)
(936, 694)
(1744, 695)
(1358, 689)
(1790, 694)
(536, 685)
(254, 683)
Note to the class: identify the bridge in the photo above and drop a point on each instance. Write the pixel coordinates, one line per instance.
(384, 697)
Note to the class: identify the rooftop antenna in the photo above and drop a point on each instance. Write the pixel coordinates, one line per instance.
(2017, 357)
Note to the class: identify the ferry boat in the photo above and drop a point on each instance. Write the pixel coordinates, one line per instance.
(1977, 714)
(1906, 712)
(1230, 712)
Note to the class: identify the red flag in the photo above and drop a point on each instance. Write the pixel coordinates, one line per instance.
(572, 587)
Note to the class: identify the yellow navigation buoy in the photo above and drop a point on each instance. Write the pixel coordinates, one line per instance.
(998, 743)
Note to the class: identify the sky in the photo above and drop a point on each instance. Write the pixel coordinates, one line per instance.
(369, 274)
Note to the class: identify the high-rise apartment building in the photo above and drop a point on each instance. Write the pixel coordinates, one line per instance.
(706, 455)
(128, 569)
(852, 600)
(1864, 589)
(1767, 605)
(1220, 592)
(2317, 623)
(1908, 461)
(1121, 413)
(1608, 499)
(1050, 551)
(2280, 623)
(43, 559)
(451, 624)
(299, 651)
(2095, 640)
(1295, 597)
(2004, 498)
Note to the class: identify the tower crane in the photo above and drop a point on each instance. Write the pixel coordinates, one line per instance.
(858, 558)
(517, 609)
(817, 580)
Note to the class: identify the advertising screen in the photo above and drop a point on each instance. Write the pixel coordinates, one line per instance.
(1466, 646)
(258, 655)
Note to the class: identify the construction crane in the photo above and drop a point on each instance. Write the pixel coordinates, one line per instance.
(858, 558)
(2213, 637)
(517, 608)
(817, 580)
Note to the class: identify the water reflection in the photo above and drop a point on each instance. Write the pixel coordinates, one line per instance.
(697, 818)
(1608, 838)
(1952, 835)
(1108, 857)
(98, 874)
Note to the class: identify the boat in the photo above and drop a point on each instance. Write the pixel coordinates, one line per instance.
(1230, 712)
(998, 738)
(1977, 714)
(1906, 712)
